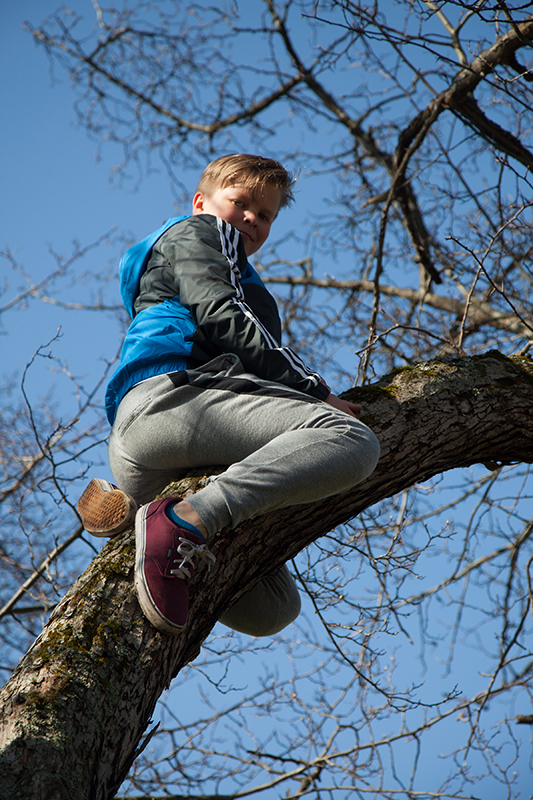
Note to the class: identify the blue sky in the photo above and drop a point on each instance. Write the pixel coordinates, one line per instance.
(57, 189)
(54, 188)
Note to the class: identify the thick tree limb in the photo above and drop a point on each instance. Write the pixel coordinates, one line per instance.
(75, 709)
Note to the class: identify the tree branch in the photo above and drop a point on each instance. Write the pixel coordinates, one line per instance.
(479, 312)
(458, 98)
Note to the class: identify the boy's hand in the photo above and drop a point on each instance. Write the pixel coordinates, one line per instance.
(343, 405)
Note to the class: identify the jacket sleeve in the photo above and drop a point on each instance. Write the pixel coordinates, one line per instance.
(208, 255)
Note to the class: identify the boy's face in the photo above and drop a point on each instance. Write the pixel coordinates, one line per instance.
(251, 214)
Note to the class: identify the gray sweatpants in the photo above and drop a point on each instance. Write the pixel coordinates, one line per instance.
(280, 447)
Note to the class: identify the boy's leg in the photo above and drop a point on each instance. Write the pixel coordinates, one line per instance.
(280, 447)
(283, 449)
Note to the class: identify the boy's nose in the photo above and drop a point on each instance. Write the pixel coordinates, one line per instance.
(250, 216)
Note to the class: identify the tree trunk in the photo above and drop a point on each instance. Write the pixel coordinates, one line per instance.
(75, 709)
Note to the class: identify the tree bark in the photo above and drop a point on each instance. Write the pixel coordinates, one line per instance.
(75, 709)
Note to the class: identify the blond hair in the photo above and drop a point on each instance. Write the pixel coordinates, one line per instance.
(252, 172)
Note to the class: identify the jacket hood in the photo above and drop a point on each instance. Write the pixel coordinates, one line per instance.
(134, 261)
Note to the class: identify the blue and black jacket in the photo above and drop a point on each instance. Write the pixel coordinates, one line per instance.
(192, 296)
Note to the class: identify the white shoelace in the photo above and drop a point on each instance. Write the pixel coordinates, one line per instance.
(189, 551)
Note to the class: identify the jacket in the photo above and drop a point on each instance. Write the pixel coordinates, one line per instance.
(193, 296)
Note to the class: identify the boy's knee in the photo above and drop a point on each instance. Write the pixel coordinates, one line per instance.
(365, 449)
(267, 608)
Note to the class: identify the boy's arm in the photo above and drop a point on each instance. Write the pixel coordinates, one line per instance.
(207, 258)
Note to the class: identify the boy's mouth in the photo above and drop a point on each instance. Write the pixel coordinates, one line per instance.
(246, 235)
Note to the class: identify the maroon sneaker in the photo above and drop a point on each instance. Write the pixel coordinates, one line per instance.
(166, 558)
(106, 510)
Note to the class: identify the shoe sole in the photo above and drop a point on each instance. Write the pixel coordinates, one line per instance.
(149, 608)
(105, 510)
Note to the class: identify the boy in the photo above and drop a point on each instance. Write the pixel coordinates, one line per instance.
(204, 381)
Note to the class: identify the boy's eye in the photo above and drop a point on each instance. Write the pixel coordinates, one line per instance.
(238, 203)
(263, 217)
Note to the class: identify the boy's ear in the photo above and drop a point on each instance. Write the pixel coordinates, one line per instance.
(198, 203)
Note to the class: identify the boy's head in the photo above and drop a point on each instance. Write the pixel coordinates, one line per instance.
(247, 191)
